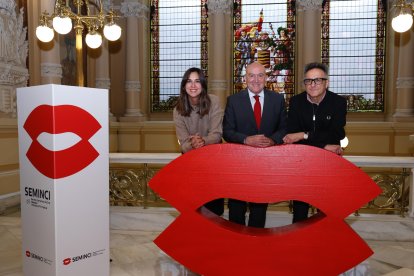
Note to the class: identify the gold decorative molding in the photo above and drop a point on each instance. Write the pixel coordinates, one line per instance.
(129, 186)
(394, 196)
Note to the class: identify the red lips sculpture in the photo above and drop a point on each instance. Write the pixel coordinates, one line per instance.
(210, 245)
(55, 120)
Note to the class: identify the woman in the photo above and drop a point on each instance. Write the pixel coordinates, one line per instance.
(198, 120)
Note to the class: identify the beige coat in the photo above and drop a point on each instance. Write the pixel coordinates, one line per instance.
(209, 127)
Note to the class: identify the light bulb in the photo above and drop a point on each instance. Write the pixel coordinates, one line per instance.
(62, 25)
(402, 22)
(44, 33)
(93, 39)
(112, 31)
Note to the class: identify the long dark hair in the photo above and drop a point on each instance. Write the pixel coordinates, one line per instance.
(183, 104)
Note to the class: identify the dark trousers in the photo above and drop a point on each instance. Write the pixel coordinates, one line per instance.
(216, 206)
(300, 211)
(238, 209)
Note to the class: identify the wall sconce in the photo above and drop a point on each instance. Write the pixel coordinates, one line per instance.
(63, 19)
(403, 20)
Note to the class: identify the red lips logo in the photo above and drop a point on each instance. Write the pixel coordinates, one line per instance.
(66, 261)
(27, 253)
(210, 245)
(56, 120)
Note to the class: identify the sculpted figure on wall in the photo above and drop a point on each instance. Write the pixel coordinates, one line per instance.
(13, 43)
(13, 54)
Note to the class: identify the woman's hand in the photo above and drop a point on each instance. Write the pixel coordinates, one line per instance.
(197, 141)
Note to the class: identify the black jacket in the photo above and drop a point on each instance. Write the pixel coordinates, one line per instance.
(329, 123)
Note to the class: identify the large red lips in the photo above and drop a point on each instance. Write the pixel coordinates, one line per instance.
(55, 120)
(209, 245)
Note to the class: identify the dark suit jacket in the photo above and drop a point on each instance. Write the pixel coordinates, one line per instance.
(239, 122)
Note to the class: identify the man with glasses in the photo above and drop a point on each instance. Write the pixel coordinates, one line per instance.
(316, 117)
(255, 117)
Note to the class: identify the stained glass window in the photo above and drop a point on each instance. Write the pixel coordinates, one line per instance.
(178, 42)
(353, 45)
(264, 31)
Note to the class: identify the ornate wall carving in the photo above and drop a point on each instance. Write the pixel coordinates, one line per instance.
(309, 5)
(13, 54)
(53, 70)
(104, 83)
(218, 85)
(135, 9)
(220, 6)
(133, 86)
(407, 82)
(107, 5)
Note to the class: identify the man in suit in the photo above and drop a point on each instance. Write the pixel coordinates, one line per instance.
(316, 117)
(255, 117)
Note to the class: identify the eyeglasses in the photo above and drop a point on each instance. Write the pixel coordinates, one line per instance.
(316, 81)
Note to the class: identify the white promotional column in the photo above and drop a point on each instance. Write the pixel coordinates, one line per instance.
(63, 151)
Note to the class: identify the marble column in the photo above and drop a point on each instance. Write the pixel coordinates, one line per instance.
(404, 110)
(309, 36)
(132, 10)
(102, 79)
(50, 66)
(218, 11)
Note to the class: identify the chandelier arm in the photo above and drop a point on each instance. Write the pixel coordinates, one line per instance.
(79, 56)
(78, 4)
(57, 5)
(100, 7)
(401, 4)
(111, 16)
(88, 11)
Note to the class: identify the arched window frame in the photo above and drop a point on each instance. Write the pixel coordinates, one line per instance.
(165, 86)
(357, 101)
(281, 70)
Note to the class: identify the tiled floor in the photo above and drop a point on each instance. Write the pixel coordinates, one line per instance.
(133, 252)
